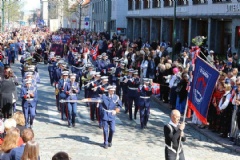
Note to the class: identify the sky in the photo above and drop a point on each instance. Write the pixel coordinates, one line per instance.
(30, 5)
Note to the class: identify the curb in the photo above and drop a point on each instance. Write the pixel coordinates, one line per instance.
(213, 136)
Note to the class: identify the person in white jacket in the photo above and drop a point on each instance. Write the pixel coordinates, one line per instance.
(144, 66)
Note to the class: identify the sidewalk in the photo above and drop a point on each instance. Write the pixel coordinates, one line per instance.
(225, 142)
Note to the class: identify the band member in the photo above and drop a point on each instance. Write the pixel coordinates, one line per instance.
(62, 87)
(104, 64)
(145, 91)
(172, 132)
(94, 92)
(28, 95)
(57, 76)
(133, 95)
(110, 105)
(86, 79)
(71, 92)
(124, 88)
(102, 89)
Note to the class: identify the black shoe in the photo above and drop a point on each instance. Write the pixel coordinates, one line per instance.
(73, 124)
(135, 117)
(69, 125)
(109, 144)
(232, 139)
(126, 112)
(105, 146)
(130, 119)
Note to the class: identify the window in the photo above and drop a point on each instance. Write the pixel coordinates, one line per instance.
(137, 4)
(130, 4)
(156, 4)
(168, 3)
(182, 2)
(146, 4)
(221, 1)
(113, 25)
(200, 1)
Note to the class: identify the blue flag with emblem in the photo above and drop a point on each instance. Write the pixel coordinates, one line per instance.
(202, 87)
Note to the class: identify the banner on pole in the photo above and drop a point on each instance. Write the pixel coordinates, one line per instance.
(202, 86)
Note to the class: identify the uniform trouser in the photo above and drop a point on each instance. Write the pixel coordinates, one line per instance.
(7, 110)
(118, 89)
(130, 103)
(170, 155)
(51, 77)
(100, 121)
(234, 126)
(125, 101)
(64, 110)
(72, 112)
(108, 135)
(57, 102)
(144, 115)
(93, 110)
(29, 112)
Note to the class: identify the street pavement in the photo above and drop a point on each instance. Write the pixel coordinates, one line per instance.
(129, 142)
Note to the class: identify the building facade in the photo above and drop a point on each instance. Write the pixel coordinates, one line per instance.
(101, 15)
(109, 15)
(218, 20)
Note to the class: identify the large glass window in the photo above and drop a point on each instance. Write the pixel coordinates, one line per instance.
(130, 4)
(221, 1)
(137, 4)
(146, 4)
(156, 4)
(200, 1)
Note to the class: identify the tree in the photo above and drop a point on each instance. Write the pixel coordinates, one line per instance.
(61, 8)
(12, 10)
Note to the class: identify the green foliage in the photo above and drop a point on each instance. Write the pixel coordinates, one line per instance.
(12, 10)
(198, 40)
(57, 8)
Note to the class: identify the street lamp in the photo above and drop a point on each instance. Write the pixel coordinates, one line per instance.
(2, 29)
(174, 28)
(80, 14)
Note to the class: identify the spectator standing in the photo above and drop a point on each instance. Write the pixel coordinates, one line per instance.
(27, 135)
(31, 151)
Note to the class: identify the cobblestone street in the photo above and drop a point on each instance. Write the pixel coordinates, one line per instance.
(129, 142)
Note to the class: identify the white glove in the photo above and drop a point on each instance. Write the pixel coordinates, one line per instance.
(114, 112)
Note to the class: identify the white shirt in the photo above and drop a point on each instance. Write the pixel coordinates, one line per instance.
(222, 105)
(173, 124)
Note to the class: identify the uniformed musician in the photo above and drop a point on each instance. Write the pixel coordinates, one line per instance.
(110, 106)
(62, 87)
(72, 91)
(145, 92)
(132, 93)
(28, 95)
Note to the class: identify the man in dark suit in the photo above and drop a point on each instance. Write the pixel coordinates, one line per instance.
(173, 131)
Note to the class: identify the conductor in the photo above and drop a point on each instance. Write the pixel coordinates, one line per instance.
(173, 131)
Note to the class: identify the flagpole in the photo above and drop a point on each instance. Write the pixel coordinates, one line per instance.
(184, 117)
(208, 60)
